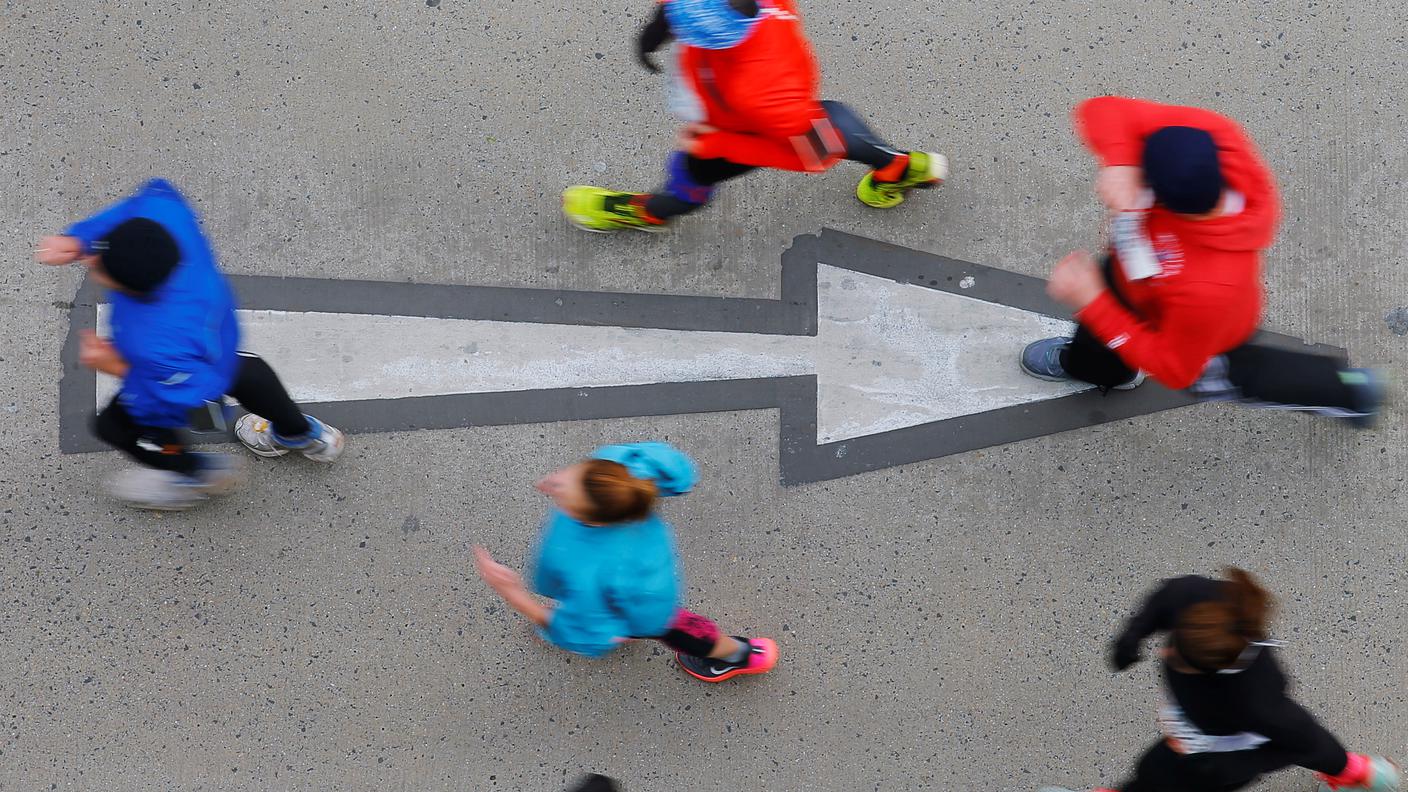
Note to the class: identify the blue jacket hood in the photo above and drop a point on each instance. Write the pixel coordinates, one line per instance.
(672, 471)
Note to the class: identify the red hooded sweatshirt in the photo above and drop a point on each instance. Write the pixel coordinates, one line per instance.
(1207, 297)
(762, 96)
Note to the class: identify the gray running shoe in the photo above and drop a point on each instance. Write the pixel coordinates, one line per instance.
(1370, 392)
(165, 490)
(157, 490)
(220, 474)
(257, 434)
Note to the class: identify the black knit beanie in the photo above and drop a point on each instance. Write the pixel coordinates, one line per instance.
(1181, 167)
(138, 255)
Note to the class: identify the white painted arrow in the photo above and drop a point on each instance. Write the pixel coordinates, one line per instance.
(886, 355)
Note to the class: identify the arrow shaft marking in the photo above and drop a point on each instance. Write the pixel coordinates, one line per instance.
(845, 416)
(325, 357)
(886, 355)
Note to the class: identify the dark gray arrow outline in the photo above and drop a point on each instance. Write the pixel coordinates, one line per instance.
(800, 459)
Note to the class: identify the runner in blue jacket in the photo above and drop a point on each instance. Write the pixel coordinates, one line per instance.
(173, 343)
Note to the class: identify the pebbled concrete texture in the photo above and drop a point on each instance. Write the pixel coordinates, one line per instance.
(942, 624)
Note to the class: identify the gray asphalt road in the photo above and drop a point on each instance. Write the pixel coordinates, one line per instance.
(942, 624)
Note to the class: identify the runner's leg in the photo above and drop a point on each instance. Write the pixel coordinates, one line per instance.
(160, 448)
(689, 184)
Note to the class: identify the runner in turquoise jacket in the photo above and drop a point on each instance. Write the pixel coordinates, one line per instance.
(608, 563)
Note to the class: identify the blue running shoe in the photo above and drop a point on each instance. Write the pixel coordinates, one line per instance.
(1042, 359)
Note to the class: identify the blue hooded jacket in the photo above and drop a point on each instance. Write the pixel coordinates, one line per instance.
(614, 581)
(179, 341)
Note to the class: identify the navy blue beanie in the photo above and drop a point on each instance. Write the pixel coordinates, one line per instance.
(1180, 166)
(138, 254)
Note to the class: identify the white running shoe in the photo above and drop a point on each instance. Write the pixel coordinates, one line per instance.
(257, 434)
(1138, 380)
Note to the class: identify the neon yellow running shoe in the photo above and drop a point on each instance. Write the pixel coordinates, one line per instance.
(922, 172)
(603, 211)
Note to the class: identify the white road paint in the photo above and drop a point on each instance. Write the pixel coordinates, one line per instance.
(887, 355)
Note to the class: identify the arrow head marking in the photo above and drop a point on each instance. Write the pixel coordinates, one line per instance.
(895, 355)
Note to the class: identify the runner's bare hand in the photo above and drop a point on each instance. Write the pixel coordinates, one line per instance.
(1075, 280)
(100, 355)
(1120, 187)
(499, 577)
(57, 250)
(688, 138)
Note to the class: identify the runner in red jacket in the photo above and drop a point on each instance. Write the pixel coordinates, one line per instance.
(746, 85)
(1179, 296)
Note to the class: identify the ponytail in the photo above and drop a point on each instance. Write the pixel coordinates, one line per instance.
(617, 496)
(1212, 635)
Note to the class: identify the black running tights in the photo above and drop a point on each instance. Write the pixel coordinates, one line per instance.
(1254, 374)
(1162, 769)
(256, 388)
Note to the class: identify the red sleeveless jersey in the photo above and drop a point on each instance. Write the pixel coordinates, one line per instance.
(762, 96)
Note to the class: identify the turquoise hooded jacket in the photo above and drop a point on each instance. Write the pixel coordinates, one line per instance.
(614, 581)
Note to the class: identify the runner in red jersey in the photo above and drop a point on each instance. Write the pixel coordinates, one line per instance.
(746, 84)
(1179, 295)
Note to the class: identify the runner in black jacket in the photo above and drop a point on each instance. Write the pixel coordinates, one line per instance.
(1227, 718)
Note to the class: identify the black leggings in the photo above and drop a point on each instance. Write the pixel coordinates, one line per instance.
(862, 145)
(1164, 770)
(1254, 374)
(256, 388)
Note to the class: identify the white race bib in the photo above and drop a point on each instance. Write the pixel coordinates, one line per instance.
(1137, 256)
(1185, 738)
